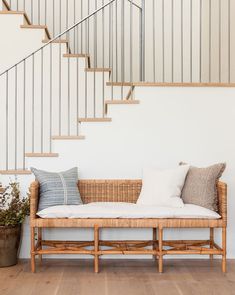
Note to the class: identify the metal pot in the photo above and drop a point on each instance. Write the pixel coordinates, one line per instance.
(9, 245)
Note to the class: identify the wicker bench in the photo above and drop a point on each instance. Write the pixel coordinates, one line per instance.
(124, 191)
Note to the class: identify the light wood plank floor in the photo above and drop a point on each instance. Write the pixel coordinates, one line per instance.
(118, 277)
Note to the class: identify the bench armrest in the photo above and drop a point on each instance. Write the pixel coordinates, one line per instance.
(34, 198)
(222, 200)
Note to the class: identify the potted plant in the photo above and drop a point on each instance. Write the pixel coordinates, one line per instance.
(13, 210)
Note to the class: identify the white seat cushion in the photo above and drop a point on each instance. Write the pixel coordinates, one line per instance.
(126, 210)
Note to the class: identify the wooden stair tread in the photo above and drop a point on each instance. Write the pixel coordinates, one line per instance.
(94, 120)
(75, 55)
(119, 84)
(122, 101)
(37, 27)
(42, 155)
(98, 70)
(68, 137)
(182, 84)
(33, 26)
(17, 12)
(170, 84)
(14, 172)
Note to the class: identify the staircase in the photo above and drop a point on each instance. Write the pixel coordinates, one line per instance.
(57, 88)
(86, 55)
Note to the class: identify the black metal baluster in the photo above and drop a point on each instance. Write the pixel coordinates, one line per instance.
(33, 93)
(24, 105)
(7, 120)
(16, 116)
(51, 93)
(42, 101)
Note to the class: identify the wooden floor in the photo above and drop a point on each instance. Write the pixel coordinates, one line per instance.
(121, 277)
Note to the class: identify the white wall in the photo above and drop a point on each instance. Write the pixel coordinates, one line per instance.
(168, 126)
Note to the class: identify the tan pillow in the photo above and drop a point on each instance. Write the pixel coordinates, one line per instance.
(200, 186)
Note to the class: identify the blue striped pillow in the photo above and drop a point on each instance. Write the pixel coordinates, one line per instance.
(57, 188)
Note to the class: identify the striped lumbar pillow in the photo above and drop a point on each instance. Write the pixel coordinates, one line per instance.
(57, 188)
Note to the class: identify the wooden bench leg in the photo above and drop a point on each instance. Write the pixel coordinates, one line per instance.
(160, 255)
(224, 249)
(33, 249)
(96, 248)
(40, 241)
(154, 240)
(211, 241)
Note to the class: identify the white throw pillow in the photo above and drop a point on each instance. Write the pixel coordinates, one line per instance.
(163, 187)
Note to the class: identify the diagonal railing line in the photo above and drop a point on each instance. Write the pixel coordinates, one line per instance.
(133, 3)
(60, 34)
